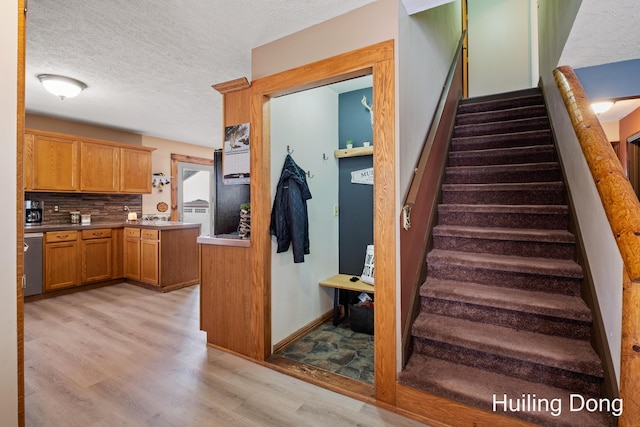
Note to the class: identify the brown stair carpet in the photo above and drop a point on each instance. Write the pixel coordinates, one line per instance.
(501, 318)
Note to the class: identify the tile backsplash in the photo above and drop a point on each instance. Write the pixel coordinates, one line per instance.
(101, 207)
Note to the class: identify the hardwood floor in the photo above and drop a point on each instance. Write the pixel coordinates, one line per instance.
(128, 356)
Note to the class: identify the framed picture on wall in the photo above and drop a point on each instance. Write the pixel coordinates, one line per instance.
(235, 160)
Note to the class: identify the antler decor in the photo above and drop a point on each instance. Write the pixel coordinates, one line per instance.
(370, 108)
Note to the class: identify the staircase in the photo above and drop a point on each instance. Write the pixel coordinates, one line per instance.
(501, 317)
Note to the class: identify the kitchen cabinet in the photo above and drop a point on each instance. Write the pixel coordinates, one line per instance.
(96, 255)
(99, 165)
(132, 253)
(167, 258)
(61, 260)
(149, 257)
(68, 163)
(135, 170)
(51, 163)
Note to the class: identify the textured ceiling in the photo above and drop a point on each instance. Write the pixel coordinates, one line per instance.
(149, 64)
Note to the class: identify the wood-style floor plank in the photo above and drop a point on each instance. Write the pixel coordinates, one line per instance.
(127, 356)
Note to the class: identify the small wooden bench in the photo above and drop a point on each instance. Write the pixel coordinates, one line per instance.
(339, 282)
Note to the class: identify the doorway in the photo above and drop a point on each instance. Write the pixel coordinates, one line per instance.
(196, 195)
(199, 168)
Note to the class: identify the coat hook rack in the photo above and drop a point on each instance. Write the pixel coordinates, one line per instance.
(324, 157)
(309, 174)
(289, 150)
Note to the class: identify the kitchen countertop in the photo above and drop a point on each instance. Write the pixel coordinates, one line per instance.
(159, 225)
(225, 240)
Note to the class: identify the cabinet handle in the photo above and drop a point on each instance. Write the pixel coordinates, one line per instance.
(63, 237)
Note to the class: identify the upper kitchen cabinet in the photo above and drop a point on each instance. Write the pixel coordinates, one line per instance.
(99, 167)
(60, 162)
(53, 163)
(135, 170)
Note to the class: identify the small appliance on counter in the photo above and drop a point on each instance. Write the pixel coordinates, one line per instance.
(33, 212)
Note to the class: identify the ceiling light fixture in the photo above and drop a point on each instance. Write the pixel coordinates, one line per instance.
(602, 106)
(64, 87)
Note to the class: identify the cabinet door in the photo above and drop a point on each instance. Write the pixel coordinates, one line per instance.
(55, 163)
(61, 265)
(99, 169)
(96, 260)
(135, 171)
(149, 268)
(27, 161)
(132, 258)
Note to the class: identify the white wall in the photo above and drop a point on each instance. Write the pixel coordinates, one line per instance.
(499, 46)
(308, 123)
(8, 231)
(426, 44)
(556, 19)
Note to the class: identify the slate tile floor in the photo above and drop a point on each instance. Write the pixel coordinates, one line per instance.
(336, 349)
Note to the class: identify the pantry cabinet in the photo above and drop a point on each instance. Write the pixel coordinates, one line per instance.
(68, 163)
(61, 260)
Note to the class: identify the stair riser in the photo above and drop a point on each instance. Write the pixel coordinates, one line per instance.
(507, 219)
(501, 104)
(505, 247)
(508, 318)
(500, 115)
(509, 158)
(493, 128)
(578, 383)
(504, 197)
(484, 176)
(508, 279)
(487, 142)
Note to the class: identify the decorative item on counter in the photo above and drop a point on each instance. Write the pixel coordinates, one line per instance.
(75, 217)
(132, 217)
(85, 219)
(244, 228)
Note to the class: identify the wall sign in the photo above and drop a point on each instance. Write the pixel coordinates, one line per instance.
(362, 176)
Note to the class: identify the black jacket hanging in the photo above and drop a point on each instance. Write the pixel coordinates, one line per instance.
(289, 217)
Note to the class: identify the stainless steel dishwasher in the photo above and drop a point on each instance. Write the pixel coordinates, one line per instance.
(33, 263)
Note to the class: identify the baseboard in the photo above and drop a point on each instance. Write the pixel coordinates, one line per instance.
(277, 348)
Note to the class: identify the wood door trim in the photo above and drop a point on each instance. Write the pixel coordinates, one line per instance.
(377, 59)
(175, 159)
(20, 126)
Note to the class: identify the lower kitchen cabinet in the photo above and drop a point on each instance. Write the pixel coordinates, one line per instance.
(96, 255)
(167, 258)
(61, 260)
(149, 262)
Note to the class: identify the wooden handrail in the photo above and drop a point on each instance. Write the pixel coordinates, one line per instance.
(618, 198)
(419, 170)
(622, 208)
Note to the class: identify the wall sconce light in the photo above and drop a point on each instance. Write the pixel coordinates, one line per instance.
(602, 106)
(64, 87)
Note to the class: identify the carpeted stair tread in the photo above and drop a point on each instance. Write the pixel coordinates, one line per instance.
(539, 303)
(477, 104)
(507, 186)
(521, 172)
(502, 152)
(540, 193)
(477, 387)
(517, 264)
(505, 139)
(518, 112)
(506, 126)
(516, 234)
(546, 350)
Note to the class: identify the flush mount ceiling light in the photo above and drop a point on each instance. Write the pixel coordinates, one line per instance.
(64, 87)
(602, 106)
